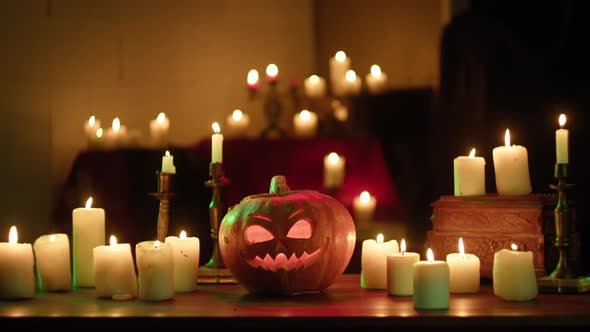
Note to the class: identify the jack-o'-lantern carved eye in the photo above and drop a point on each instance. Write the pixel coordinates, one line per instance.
(257, 234)
(300, 230)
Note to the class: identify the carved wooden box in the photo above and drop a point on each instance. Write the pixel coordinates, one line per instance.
(490, 223)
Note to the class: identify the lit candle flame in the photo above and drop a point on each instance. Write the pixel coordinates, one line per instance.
(403, 246)
(216, 128)
(350, 75)
(157, 244)
(314, 79)
(13, 235)
(562, 120)
(472, 153)
(89, 203)
(237, 115)
(161, 117)
(252, 77)
(333, 158)
(52, 237)
(116, 125)
(375, 71)
(514, 246)
(99, 132)
(380, 238)
(182, 234)
(507, 138)
(113, 240)
(272, 70)
(167, 153)
(461, 248)
(305, 115)
(365, 197)
(91, 121)
(430, 255)
(340, 56)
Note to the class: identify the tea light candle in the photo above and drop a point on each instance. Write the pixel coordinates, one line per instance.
(238, 122)
(513, 275)
(511, 166)
(252, 80)
(159, 127)
(352, 84)
(186, 261)
(88, 232)
(562, 142)
(364, 207)
(314, 86)
(52, 258)
(17, 278)
(168, 163)
(400, 271)
(216, 144)
(114, 271)
(333, 170)
(155, 267)
(469, 174)
(374, 262)
(305, 123)
(339, 64)
(464, 271)
(272, 73)
(91, 126)
(376, 80)
(431, 283)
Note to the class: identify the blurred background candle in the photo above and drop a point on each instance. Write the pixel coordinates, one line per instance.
(237, 123)
(374, 262)
(216, 144)
(562, 142)
(116, 136)
(333, 170)
(431, 283)
(352, 84)
(52, 259)
(511, 166)
(305, 123)
(513, 275)
(159, 129)
(168, 163)
(400, 271)
(88, 232)
(339, 64)
(464, 271)
(252, 80)
(469, 175)
(363, 207)
(17, 276)
(272, 73)
(314, 86)
(91, 126)
(376, 80)
(156, 270)
(114, 271)
(185, 253)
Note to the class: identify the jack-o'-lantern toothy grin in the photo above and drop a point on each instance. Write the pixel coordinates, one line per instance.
(281, 261)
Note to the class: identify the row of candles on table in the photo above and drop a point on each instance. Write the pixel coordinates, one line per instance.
(388, 267)
(118, 135)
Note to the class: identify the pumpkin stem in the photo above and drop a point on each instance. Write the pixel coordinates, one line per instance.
(278, 184)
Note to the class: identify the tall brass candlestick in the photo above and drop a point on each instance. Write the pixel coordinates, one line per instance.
(163, 195)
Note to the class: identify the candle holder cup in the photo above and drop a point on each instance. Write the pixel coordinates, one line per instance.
(163, 194)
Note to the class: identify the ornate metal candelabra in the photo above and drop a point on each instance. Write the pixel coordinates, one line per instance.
(164, 195)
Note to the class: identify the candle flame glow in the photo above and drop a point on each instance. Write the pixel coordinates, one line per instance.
(333, 158)
(52, 237)
(314, 79)
(340, 56)
(182, 234)
(380, 238)
(252, 77)
(472, 153)
(430, 255)
(365, 197)
(305, 115)
(161, 118)
(562, 120)
(113, 240)
(272, 70)
(514, 246)
(13, 235)
(350, 75)
(157, 244)
(403, 246)
(167, 153)
(91, 121)
(237, 115)
(216, 128)
(507, 138)
(461, 247)
(375, 71)
(89, 203)
(116, 125)
(99, 132)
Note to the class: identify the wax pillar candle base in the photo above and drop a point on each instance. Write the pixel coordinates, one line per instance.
(464, 276)
(400, 273)
(88, 232)
(17, 277)
(186, 262)
(431, 285)
(511, 168)
(114, 272)
(156, 271)
(374, 263)
(469, 176)
(52, 258)
(514, 276)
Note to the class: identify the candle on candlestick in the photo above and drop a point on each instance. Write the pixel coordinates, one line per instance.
(168, 163)
(511, 167)
(374, 262)
(155, 267)
(352, 84)
(52, 258)
(186, 252)
(237, 123)
(253, 80)
(469, 175)
(400, 271)
(562, 142)
(339, 64)
(17, 277)
(114, 271)
(431, 283)
(314, 86)
(88, 232)
(216, 144)
(513, 275)
(364, 207)
(272, 73)
(333, 170)
(464, 271)
(376, 80)
(305, 123)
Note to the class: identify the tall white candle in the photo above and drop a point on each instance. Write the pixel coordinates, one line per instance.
(305, 123)
(17, 278)
(237, 123)
(155, 267)
(469, 175)
(513, 275)
(114, 271)
(352, 83)
(374, 262)
(168, 163)
(159, 128)
(363, 207)
(400, 271)
(562, 142)
(464, 271)
(333, 170)
(431, 283)
(314, 86)
(339, 64)
(186, 252)
(511, 167)
(376, 80)
(52, 258)
(216, 144)
(88, 232)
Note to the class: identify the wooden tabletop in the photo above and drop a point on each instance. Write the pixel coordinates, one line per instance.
(342, 305)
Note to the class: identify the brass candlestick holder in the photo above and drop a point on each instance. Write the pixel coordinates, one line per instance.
(214, 271)
(273, 109)
(164, 195)
(563, 279)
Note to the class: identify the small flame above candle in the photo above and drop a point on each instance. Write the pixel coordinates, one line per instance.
(216, 128)
(116, 125)
(507, 138)
(380, 238)
(375, 71)
(472, 153)
(237, 115)
(403, 246)
(167, 153)
(13, 235)
(113, 240)
(314, 79)
(89, 203)
(91, 121)
(157, 244)
(340, 56)
(365, 197)
(305, 115)
(272, 70)
(333, 157)
(252, 77)
(430, 255)
(99, 132)
(461, 247)
(52, 237)
(161, 117)
(182, 234)
(562, 120)
(514, 246)
(350, 75)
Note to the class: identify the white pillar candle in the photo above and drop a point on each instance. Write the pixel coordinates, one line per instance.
(314, 86)
(114, 271)
(17, 276)
(511, 166)
(562, 142)
(305, 123)
(168, 163)
(116, 136)
(339, 64)
(216, 144)
(155, 267)
(374, 262)
(272, 73)
(88, 232)
(333, 170)
(469, 175)
(52, 258)
(91, 126)
(159, 128)
(376, 80)
(363, 207)
(464, 271)
(400, 271)
(431, 283)
(237, 123)
(185, 255)
(513, 275)
(352, 83)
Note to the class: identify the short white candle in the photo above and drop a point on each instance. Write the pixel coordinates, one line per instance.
(431, 283)
(352, 83)
(363, 207)
(272, 73)
(52, 258)
(186, 252)
(252, 80)
(237, 123)
(155, 267)
(114, 271)
(333, 170)
(88, 232)
(400, 271)
(376, 80)
(511, 166)
(464, 271)
(216, 144)
(374, 262)
(562, 142)
(305, 123)
(314, 86)
(91, 126)
(168, 163)
(159, 128)
(469, 175)
(339, 64)
(17, 276)
(513, 275)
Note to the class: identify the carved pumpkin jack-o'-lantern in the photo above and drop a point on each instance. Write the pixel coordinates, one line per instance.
(287, 242)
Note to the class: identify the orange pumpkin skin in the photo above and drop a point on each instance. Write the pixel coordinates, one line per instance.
(287, 242)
